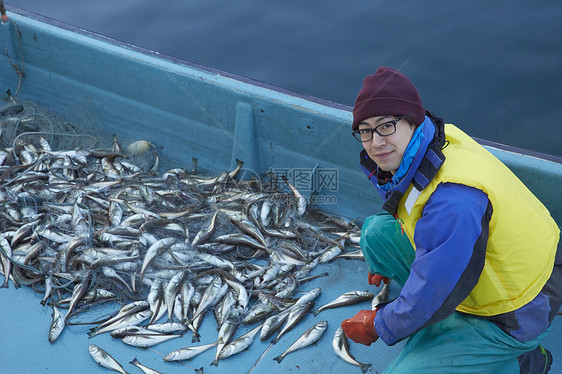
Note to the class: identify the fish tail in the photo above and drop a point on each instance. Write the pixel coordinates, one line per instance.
(215, 362)
(199, 371)
(279, 358)
(365, 367)
(134, 362)
(315, 312)
(195, 338)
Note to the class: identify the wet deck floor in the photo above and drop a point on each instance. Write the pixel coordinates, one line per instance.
(24, 345)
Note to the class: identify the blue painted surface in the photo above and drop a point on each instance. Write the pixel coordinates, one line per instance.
(190, 111)
(25, 349)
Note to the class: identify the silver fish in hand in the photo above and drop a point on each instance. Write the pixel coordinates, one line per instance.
(348, 298)
(382, 296)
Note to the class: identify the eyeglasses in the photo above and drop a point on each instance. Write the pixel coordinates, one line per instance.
(384, 129)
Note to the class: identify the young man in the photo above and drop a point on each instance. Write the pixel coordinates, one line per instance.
(473, 249)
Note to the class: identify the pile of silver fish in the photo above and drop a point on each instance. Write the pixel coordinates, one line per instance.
(86, 227)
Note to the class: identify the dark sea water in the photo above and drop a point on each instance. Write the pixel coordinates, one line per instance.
(493, 68)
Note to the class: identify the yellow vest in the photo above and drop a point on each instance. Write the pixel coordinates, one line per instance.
(523, 237)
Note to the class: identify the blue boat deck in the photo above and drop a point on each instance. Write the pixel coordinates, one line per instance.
(25, 348)
(113, 88)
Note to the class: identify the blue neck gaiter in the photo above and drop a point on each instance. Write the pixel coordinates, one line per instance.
(407, 159)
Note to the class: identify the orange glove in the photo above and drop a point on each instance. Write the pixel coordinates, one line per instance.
(376, 279)
(361, 328)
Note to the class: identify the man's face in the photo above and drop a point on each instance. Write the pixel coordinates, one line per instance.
(387, 151)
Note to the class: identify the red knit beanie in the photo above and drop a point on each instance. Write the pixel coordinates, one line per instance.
(387, 92)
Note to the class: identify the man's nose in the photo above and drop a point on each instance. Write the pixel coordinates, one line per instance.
(378, 140)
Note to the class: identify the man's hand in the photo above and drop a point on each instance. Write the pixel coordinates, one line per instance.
(360, 328)
(376, 279)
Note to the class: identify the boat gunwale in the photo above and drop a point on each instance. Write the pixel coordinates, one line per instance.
(244, 79)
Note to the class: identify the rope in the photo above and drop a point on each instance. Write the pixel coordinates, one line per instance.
(19, 71)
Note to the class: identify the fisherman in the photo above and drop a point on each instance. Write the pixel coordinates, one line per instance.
(473, 250)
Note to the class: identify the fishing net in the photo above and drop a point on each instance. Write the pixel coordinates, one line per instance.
(27, 123)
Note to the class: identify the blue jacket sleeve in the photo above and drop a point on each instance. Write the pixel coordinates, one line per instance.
(451, 238)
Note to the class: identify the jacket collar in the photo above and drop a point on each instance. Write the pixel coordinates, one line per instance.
(425, 165)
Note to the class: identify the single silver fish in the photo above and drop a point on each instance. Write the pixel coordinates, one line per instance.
(155, 249)
(115, 213)
(239, 344)
(355, 255)
(348, 298)
(145, 341)
(53, 235)
(273, 323)
(5, 254)
(226, 308)
(247, 226)
(183, 300)
(286, 287)
(240, 239)
(194, 326)
(78, 292)
(284, 258)
(128, 320)
(103, 358)
(22, 232)
(205, 233)
(243, 298)
(171, 290)
(269, 275)
(131, 330)
(157, 300)
(301, 200)
(341, 349)
(188, 353)
(57, 325)
(225, 334)
(167, 327)
(310, 336)
(215, 260)
(145, 370)
(258, 312)
(297, 313)
(124, 311)
(213, 293)
(264, 213)
(330, 254)
(308, 296)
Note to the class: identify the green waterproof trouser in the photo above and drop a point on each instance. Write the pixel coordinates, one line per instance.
(458, 344)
